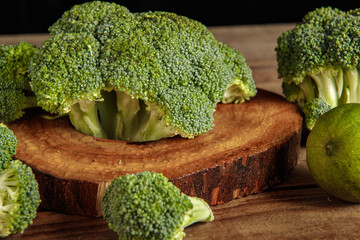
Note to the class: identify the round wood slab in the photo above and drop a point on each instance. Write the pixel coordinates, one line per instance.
(252, 147)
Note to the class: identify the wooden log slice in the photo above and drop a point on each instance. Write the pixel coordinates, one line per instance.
(252, 147)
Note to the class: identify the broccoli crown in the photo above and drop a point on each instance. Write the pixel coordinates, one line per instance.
(15, 92)
(14, 62)
(176, 64)
(65, 71)
(145, 206)
(327, 37)
(8, 144)
(12, 102)
(320, 59)
(19, 198)
(171, 63)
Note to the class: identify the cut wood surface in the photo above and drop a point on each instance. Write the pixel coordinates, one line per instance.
(252, 146)
(293, 209)
(283, 213)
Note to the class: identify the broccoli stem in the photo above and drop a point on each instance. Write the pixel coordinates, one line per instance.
(138, 121)
(155, 127)
(234, 93)
(127, 117)
(200, 212)
(30, 102)
(237, 92)
(308, 87)
(107, 113)
(329, 84)
(130, 119)
(351, 90)
(84, 117)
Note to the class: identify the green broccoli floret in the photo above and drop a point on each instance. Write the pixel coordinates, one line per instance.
(320, 58)
(19, 198)
(15, 92)
(66, 79)
(313, 109)
(8, 144)
(147, 206)
(136, 76)
(243, 86)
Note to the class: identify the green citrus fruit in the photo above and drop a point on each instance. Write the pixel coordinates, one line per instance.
(333, 152)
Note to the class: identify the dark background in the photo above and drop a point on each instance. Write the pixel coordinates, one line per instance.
(35, 16)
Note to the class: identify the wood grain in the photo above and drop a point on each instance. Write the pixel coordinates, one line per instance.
(252, 147)
(285, 212)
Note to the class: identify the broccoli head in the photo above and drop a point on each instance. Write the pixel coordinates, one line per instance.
(19, 197)
(147, 206)
(320, 58)
(8, 144)
(15, 92)
(158, 74)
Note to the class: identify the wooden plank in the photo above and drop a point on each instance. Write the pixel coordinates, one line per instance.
(252, 146)
(36, 39)
(294, 209)
(307, 213)
(255, 42)
(292, 213)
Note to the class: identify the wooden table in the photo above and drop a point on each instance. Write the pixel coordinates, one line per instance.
(295, 209)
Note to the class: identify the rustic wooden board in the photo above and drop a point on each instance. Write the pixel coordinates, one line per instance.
(293, 209)
(283, 213)
(252, 147)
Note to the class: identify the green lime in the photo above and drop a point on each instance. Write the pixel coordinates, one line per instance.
(333, 152)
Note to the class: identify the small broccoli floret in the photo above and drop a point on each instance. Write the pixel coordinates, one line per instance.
(243, 87)
(8, 144)
(320, 58)
(137, 76)
(147, 206)
(66, 79)
(15, 92)
(19, 198)
(313, 109)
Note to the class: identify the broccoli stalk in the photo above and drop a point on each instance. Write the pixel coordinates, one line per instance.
(200, 212)
(130, 119)
(327, 81)
(147, 206)
(237, 92)
(84, 116)
(319, 59)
